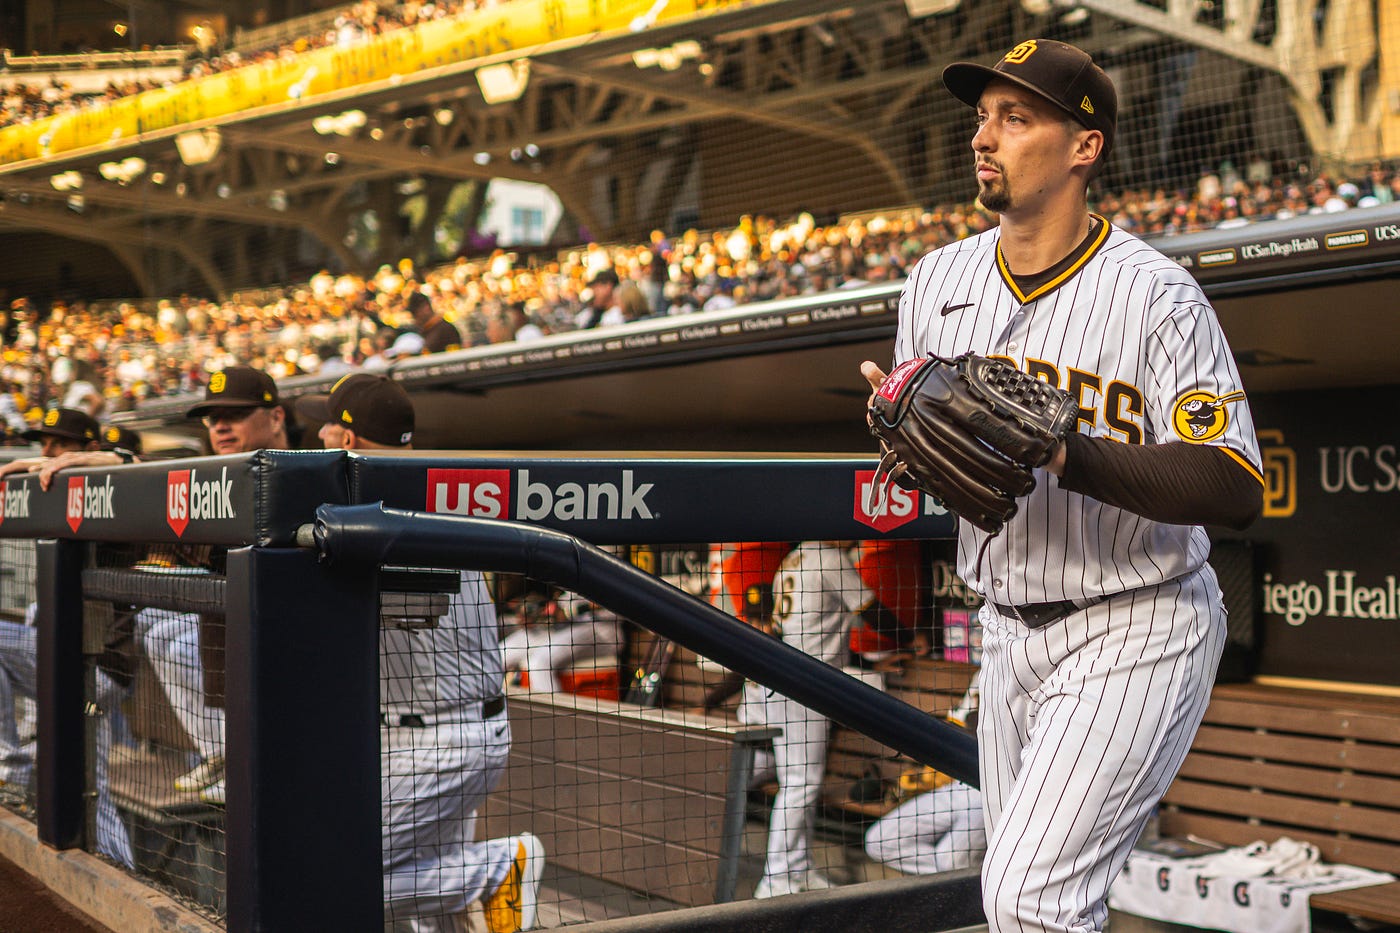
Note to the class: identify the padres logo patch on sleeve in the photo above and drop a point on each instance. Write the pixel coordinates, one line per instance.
(1198, 416)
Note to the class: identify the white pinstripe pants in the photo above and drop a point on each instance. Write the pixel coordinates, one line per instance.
(1084, 723)
(433, 780)
(19, 661)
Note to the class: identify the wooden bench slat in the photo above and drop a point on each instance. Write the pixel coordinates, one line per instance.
(1316, 782)
(1369, 725)
(1233, 832)
(1378, 902)
(651, 811)
(1279, 695)
(1371, 822)
(1298, 750)
(930, 675)
(854, 743)
(620, 747)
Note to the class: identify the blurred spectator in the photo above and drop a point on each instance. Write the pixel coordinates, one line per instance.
(602, 308)
(439, 335)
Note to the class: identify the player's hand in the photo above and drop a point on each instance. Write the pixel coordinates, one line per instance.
(75, 458)
(27, 465)
(874, 375)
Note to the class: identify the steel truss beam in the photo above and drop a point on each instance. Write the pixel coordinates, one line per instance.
(851, 76)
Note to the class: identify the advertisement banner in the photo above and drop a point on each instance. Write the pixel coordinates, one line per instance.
(242, 499)
(1328, 565)
(633, 501)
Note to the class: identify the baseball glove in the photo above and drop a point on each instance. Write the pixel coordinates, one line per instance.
(967, 431)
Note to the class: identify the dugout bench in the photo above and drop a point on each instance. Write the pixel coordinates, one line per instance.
(649, 799)
(1317, 766)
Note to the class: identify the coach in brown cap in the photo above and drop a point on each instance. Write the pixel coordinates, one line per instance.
(242, 411)
(360, 408)
(64, 429)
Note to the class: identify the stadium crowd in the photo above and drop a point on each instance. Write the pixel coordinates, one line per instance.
(110, 356)
(26, 102)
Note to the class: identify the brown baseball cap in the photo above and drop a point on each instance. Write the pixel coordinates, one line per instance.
(1061, 73)
(237, 387)
(116, 437)
(70, 423)
(375, 407)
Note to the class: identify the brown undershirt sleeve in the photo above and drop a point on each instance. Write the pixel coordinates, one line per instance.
(879, 618)
(1180, 484)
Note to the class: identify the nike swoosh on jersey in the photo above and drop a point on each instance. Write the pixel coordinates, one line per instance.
(948, 307)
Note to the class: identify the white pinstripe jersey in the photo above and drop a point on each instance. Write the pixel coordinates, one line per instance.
(457, 661)
(1133, 338)
(817, 592)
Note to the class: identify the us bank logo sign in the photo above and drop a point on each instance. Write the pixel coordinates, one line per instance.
(888, 508)
(507, 494)
(89, 500)
(14, 501)
(192, 495)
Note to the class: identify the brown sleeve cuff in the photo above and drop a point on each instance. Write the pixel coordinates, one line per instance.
(1179, 484)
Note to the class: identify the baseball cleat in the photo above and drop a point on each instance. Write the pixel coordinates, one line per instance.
(511, 907)
(214, 793)
(201, 775)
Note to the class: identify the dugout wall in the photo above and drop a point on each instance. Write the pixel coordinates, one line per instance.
(301, 836)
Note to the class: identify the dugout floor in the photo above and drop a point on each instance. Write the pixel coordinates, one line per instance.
(566, 899)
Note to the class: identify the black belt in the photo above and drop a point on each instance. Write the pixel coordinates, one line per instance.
(1036, 615)
(489, 708)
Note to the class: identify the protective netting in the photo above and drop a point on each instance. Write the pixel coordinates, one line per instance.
(716, 164)
(636, 776)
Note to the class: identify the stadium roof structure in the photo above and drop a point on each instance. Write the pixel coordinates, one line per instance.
(288, 149)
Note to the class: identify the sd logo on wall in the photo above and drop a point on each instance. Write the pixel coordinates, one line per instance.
(1328, 588)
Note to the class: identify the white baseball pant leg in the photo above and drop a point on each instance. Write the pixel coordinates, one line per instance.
(171, 641)
(1084, 723)
(19, 676)
(941, 830)
(799, 755)
(18, 662)
(433, 780)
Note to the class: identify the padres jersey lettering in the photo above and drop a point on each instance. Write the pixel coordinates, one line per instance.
(1133, 338)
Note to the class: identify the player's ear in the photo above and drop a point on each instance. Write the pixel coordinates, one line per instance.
(1088, 146)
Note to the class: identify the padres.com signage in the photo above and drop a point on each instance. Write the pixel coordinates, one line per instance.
(1329, 583)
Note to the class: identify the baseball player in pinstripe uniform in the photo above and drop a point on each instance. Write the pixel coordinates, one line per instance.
(1103, 622)
(445, 736)
(817, 595)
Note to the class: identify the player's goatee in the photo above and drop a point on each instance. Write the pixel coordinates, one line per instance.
(993, 195)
